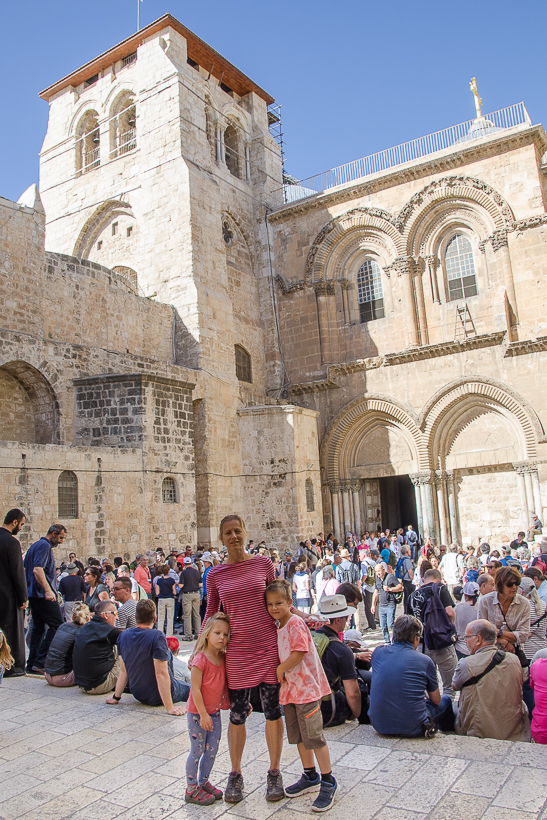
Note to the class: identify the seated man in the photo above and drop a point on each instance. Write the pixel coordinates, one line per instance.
(146, 663)
(128, 605)
(95, 662)
(339, 665)
(490, 702)
(400, 678)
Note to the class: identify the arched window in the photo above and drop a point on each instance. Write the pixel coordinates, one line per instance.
(88, 143)
(129, 274)
(310, 500)
(460, 268)
(67, 495)
(243, 365)
(123, 130)
(231, 150)
(370, 294)
(169, 491)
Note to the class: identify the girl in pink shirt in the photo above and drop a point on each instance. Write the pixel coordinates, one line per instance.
(303, 684)
(209, 694)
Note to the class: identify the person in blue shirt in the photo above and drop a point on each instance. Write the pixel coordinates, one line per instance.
(42, 596)
(400, 677)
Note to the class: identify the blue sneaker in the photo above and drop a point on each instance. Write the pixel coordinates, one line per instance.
(303, 786)
(325, 798)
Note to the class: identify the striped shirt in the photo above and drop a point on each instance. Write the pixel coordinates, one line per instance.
(252, 656)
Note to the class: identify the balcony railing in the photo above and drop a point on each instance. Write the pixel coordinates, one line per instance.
(91, 159)
(128, 141)
(456, 135)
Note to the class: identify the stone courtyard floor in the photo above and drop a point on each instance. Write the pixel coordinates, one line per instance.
(67, 755)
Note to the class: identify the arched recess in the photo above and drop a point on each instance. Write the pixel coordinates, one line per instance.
(123, 124)
(466, 193)
(345, 433)
(333, 239)
(33, 395)
(96, 222)
(462, 401)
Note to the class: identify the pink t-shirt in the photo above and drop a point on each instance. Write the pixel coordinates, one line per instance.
(214, 688)
(538, 680)
(307, 682)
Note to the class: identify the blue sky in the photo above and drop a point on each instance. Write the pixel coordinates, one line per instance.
(353, 77)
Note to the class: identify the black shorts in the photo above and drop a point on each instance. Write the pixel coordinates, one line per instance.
(240, 700)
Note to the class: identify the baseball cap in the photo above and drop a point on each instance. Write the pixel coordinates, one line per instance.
(354, 635)
(471, 588)
(187, 560)
(173, 643)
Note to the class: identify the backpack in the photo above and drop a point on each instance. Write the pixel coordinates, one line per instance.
(540, 565)
(439, 631)
(321, 643)
(392, 560)
(414, 539)
(348, 576)
(400, 571)
(513, 562)
(472, 575)
(142, 594)
(371, 575)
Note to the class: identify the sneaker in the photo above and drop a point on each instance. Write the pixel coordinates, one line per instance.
(325, 798)
(303, 786)
(210, 789)
(234, 788)
(274, 786)
(199, 797)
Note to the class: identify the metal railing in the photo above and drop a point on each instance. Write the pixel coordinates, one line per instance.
(128, 141)
(455, 135)
(91, 159)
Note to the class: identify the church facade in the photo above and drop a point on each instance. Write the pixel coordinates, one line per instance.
(180, 343)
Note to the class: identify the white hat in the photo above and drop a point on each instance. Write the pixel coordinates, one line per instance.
(187, 560)
(355, 636)
(334, 606)
(207, 557)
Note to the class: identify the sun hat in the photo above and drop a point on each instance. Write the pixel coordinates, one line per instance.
(207, 557)
(72, 567)
(526, 585)
(344, 553)
(334, 606)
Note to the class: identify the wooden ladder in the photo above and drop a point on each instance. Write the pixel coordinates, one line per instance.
(463, 325)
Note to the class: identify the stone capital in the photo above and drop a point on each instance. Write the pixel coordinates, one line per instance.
(523, 467)
(499, 239)
(323, 288)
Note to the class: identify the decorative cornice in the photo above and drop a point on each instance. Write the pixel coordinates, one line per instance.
(312, 387)
(286, 288)
(463, 156)
(523, 467)
(531, 222)
(526, 346)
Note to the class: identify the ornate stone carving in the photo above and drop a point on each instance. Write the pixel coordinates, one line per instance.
(289, 288)
(401, 265)
(323, 288)
(499, 240)
(523, 467)
(325, 230)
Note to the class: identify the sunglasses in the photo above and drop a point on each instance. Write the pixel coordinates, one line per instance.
(513, 584)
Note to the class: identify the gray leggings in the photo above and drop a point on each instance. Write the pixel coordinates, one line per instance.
(203, 749)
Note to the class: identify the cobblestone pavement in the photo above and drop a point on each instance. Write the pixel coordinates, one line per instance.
(67, 755)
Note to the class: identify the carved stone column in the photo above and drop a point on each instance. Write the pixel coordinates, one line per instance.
(419, 512)
(348, 517)
(322, 291)
(501, 245)
(355, 489)
(335, 501)
(520, 469)
(432, 263)
(403, 264)
(423, 333)
(440, 483)
(537, 495)
(344, 285)
(424, 482)
(452, 505)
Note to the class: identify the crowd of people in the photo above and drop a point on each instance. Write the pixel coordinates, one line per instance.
(285, 633)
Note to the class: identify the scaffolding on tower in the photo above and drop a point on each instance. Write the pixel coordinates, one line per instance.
(276, 130)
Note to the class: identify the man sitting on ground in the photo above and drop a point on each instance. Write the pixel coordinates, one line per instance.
(400, 676)
(490, 702)
(95, 662)
(146, 663)
(338, 664)
(128, 606)
(486, 584)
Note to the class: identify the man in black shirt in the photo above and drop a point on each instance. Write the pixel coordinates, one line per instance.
(95, 660)
(190, 580)
(339, 664)
(444, 659)
(384, 597)
(13, 590)
(72, 588)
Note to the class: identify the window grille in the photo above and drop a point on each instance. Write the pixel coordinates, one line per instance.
(310, 501)
(243, 365)
(231, 153)
(460, 268)
(169, 491)
(130, 58)
(67, 495)
(370, 294)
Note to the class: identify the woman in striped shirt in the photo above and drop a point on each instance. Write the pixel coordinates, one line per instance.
(251, 658)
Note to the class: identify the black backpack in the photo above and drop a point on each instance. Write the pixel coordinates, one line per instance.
(348, 576)
(439, 631)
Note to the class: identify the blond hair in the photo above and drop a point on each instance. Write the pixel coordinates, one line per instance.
(6, 658)
(233, 517)
(80, 613)
(202, 642)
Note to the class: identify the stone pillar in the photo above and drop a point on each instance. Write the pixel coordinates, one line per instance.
(355, 488)
(452, 505)
(322, 291)
(403, 265)
(416, 481)
(500, 243)
(537, 494)
(430, 504)
(335, 501)
(423, 334)
(222, 157)
(344, 285)
(440, 483)
(524, 509)
(348, 518)
(247, 163)
(432, 263)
